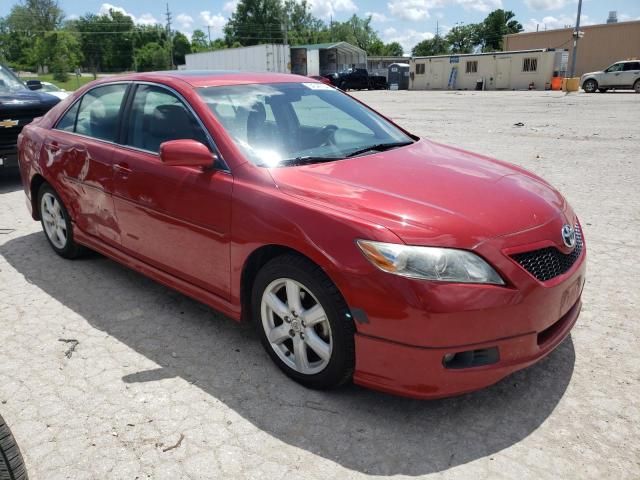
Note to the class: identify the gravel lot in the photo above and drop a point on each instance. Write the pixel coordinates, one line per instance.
(159, 386)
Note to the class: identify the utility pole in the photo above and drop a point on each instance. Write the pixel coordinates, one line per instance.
(286, 28)
(209, 31)
(576, 37)
(169, 37)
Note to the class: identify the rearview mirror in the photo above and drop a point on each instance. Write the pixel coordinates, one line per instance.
(186, 153)
(34, 84)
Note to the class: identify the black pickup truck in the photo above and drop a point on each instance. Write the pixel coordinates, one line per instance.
(19, 105)
(357, 79)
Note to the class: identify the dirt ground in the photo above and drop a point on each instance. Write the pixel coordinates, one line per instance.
(159, 386)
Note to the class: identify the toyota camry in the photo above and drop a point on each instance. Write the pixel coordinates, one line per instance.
(359, 251)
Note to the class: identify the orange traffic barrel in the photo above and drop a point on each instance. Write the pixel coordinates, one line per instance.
(556, 83)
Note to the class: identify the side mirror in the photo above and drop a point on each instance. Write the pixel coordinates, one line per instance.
(186, 153)
(34, 84)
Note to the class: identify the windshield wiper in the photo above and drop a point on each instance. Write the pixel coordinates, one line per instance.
(307, 160)
(380, 147)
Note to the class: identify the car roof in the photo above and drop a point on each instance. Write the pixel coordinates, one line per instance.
(211, 78)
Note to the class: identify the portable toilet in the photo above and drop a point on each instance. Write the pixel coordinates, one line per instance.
(398, 76)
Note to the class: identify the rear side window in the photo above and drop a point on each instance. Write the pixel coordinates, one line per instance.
(158, 116)
(632, 66)
(97, 114)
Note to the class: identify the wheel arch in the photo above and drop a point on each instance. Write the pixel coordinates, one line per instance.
(34, 187)
(588, 79)
(255, 261)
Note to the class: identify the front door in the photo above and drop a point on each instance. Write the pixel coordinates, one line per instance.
(80, 149)
(503, 73)
(612, 76)
(175, 218)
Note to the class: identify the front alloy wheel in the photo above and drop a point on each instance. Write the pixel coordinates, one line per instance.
(303, 322)
(296, 326)
(590, 86)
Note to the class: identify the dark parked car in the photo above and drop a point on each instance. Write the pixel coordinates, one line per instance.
(358, 79)
(19, 105)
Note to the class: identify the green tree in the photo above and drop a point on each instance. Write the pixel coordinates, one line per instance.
(152, 56)
(255, 22)
(462, 38)
(497, 24)
(432, 46)
(393, 49)
(199, 42)
(181, 47)
(357, 31)
(107, 41)
(302, 26)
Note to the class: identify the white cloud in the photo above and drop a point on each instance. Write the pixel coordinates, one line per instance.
(184, 21)
(144, 19)
(546, 4)
(377, 17)
(216, 22)
(230, 6)
(407, 38)
(328, 8)
(416, 10)
(550, 23)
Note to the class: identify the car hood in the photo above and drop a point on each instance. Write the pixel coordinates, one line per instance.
(428, 193)
(26, 99)
(592, 73)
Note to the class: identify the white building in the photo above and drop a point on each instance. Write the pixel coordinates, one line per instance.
(516, 70)
(258, 58)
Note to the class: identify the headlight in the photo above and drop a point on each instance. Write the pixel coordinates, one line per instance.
(429, 263)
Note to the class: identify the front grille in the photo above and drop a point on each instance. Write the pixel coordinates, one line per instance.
(549, 262)
(9, 136)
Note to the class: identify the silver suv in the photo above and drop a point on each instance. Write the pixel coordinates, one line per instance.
(621, 75)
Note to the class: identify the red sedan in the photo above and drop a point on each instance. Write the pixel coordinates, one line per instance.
(360, 251)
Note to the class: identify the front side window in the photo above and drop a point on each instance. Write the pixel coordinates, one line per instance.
(290, 123)
(616, 67)
(158, 116)
(98, 113)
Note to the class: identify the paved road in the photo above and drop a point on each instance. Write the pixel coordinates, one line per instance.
(159, 386)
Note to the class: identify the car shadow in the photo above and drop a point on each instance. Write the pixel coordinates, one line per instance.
(362, 430)
(10, 180)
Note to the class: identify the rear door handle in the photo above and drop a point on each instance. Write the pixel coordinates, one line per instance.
(122, 168)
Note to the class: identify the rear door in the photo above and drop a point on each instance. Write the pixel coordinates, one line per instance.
(630, 73)
(79, 154)
(175, 218)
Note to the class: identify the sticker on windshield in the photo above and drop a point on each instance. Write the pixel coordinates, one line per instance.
(318, 86)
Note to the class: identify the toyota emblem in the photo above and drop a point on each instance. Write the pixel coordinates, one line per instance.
(569, 236)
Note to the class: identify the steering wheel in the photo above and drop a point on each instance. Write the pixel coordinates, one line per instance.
(326, 135)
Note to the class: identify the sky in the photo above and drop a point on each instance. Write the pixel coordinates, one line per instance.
(404, 21)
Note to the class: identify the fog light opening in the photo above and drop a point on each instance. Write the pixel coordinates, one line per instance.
(471, 358)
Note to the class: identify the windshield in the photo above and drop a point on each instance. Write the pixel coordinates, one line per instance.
(291, 123)
(49, 87)
(9, 82)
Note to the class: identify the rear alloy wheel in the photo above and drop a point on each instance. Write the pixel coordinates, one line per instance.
(636, 86)
(56, 223)
(590, 86)
(303, 322)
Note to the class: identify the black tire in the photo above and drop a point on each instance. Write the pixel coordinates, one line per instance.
(70, 249)
(11, 463)
(603, 90)
(590, 86)
(636, 86)
(340, 366)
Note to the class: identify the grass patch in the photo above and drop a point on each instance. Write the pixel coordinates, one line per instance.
(70, 85)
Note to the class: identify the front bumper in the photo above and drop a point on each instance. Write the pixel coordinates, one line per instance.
(8, 158)
(420, 372)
